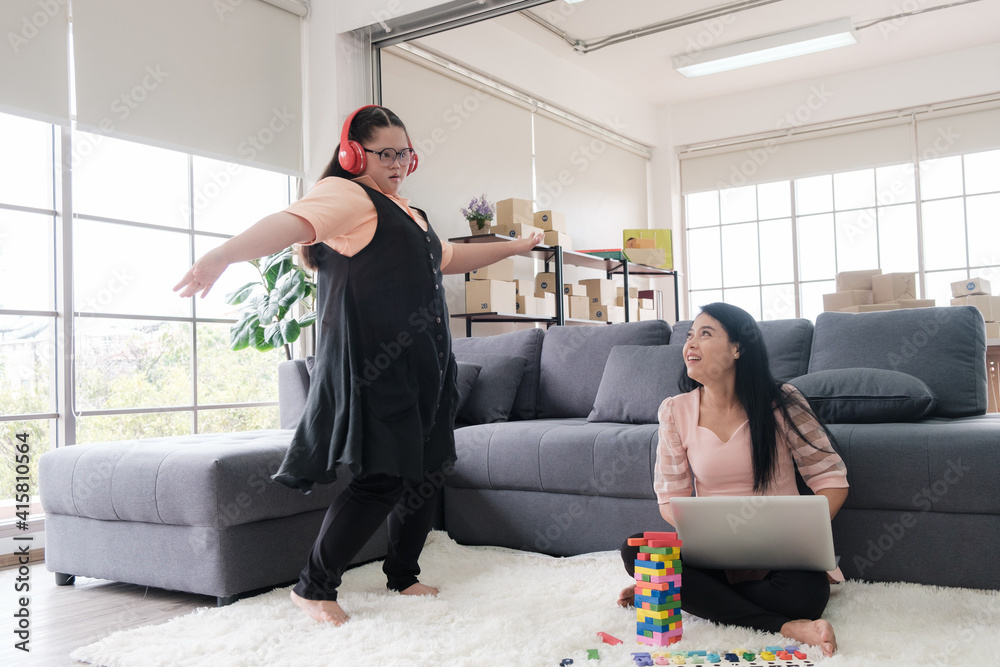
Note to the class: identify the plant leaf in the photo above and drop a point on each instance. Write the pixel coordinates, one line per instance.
(259, 340)
(291, 289)
(241, 332)
(238, 296)
(276, 266)
(309, 319)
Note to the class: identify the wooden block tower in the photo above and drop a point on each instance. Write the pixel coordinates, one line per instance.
(658, 588)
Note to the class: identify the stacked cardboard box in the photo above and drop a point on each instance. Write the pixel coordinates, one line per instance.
(976, 293)
(871, 290)
(515, 218)
(602, 295)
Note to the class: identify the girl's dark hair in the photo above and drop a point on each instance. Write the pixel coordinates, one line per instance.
(363, 127)
(756, 389)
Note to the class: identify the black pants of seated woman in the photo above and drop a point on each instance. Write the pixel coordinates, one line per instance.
(782, 596)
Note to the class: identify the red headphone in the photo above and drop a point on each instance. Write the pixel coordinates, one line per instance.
(352, 156)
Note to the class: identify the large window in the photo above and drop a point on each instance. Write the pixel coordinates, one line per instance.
(775, 248)
(144, 362)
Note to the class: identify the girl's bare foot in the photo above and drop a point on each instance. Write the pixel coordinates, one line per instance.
(627, 597)
(419, 589)
(325, 611)
(814, 633)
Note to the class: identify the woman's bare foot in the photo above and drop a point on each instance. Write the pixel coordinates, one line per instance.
(627, 597)
(814, 633)
(419, 589)
(325, 611)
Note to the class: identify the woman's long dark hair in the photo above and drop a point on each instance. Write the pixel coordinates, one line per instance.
(363, 127)
(756, 389)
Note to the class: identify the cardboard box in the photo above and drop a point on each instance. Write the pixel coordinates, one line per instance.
(995, 307)
(633, 292)
(647, 304)
(526, 305)
(524, 287)
(646, 314)
(545, 282)
(848, 281)
(970, 287)
(616, 314)
(598, 312)
(521, 229)
(559, 238)
(870, 307)
(984, 302)
(992, 330)
(545, 304)
(839, 300)
(550, 220)
(600, 290)
(490, 296)
(515, 211)
(889, 287)
(502, 270)
(635, 245)
(631, 304)
(916, 303)
(570, 289)
(576, 307)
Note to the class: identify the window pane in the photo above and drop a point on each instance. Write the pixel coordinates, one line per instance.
(702, 209)
(705, 260)
(738, 204)
(983, 214)
(897, 238)
(27, 260)
(982, 172)
(895, 184)
(944, 234)
(816, 256)
(27, 351)
(237, 275)
(857, 240)
(778, 302)
(39, 441)
(813, 195)
(937, 285)
(774, 200)
(132, 364)
(129, 181)
(703, 298)
(747, 298)
(110, 428)
(26, 170)
(740, 261)
(129, 270)
(854, 189)
(941, 177)
(228, 197)
(776, 259)
(232, 420)
(811, 297)
(225, 376)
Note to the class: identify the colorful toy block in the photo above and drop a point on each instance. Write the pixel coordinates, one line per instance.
(592, 654)
(799, 654)
(766, 655)
(713, 657)
(661, 660)
(791, 649)
(566, 662)
(657, 591)
(608, 639)
(642, 659)
(732, 657)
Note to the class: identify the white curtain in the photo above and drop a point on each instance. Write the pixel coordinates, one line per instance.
(34, 60)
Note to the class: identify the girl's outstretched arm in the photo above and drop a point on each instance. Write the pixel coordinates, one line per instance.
(470, 256)
(271, 234)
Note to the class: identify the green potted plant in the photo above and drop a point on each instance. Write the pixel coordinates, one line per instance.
(266, 319)
(479, 213)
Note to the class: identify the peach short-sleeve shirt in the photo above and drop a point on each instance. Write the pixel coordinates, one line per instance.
(344, 217)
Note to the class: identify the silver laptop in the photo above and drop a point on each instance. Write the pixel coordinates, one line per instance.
(755, 532)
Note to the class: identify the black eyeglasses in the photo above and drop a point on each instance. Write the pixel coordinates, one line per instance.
(387, 156)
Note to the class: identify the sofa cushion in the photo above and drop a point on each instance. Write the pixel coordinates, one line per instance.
(788, 344)
(573, 359)
(944, 347)
(865, 395)
(526, 344)
(636, 380)
(467, 374)
(494, 389)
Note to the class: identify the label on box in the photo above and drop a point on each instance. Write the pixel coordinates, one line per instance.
(490, 296)
(545, 282)
(518, 229)
(971, 286)
(550, 220)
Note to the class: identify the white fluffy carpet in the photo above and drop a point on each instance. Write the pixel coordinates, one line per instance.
(503, 607)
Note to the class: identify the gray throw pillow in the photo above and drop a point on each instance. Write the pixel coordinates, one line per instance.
(636, 380)
(467, 374)
(494, 390)
(865, 395)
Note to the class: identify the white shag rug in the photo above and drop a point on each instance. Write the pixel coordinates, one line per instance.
(504, 607)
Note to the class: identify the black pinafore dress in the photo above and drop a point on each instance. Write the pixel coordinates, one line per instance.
(383, 392)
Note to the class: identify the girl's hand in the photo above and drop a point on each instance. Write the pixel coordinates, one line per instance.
(526, 244)
(204, 273)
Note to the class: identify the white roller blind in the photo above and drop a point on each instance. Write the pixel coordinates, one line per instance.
(34, 60)
(773, 160)
(218, 79)
(599, 187)
(956, 133)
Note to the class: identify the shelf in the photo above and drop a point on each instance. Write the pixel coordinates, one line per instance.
(543, 252)
(503, 317)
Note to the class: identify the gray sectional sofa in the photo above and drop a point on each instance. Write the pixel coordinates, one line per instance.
(906, 390)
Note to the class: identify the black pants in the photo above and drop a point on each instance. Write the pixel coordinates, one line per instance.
(782, 596)
(351, 521)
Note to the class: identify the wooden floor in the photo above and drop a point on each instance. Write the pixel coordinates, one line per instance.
(64, 618)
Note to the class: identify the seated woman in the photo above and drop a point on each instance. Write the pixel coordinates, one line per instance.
(739, 432)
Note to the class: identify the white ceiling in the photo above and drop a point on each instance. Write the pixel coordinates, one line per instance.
(643, 68)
